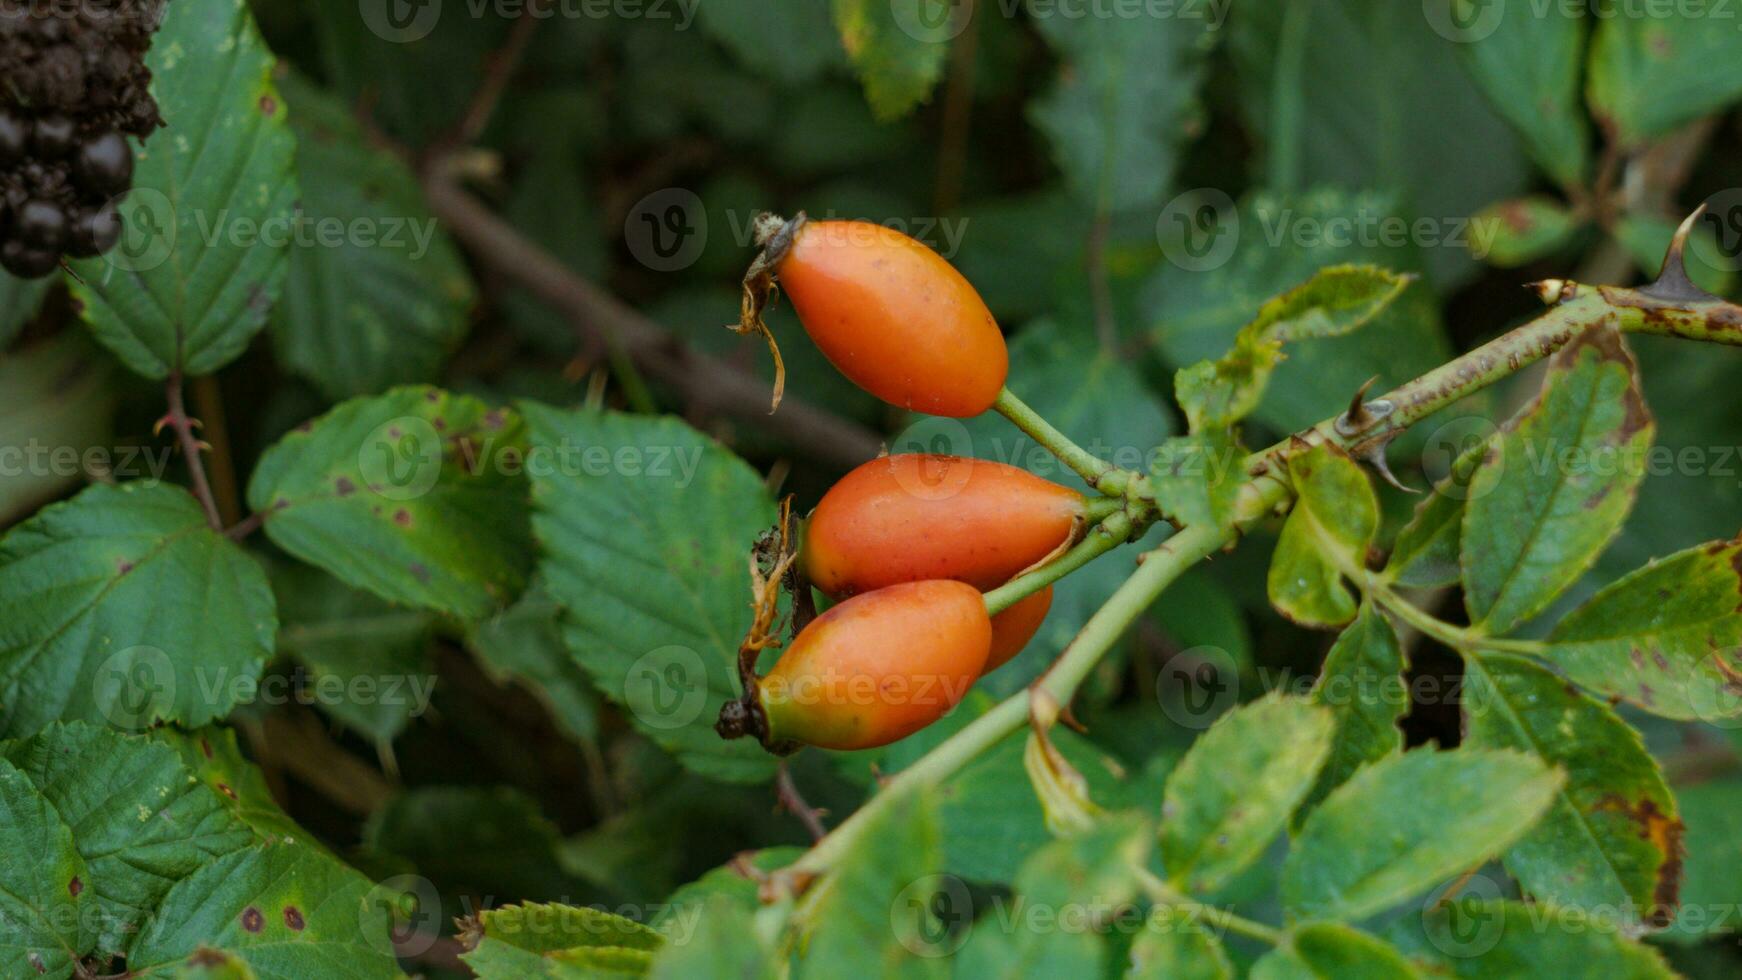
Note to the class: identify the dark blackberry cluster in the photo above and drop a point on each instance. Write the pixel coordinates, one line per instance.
(73, 87)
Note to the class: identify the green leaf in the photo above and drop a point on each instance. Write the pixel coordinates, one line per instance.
(1172, 947)
(1556, 484)
(1611, 840)
(19, 301)
(138, 818)
(1269, 244)
(415, 495)
(284, 909)
(790, 41)
(1665, 637)
(1197, 478)
(1527, 60)
(1097, 868)
(1234, 790)
(561, 942)
(646, 526)
(366, 659)
(1362, 683)
(1125, 103)
(211, 208)
(1523, 230)
(216, 760)
(1331, 951)
(43, 884)
(874, 913)
(1326, 536)
(1408, 822)
(1366, 94)
(1649, 75)
(376, 294)
(1428, 550)
(525, 643)
(56, 397)
(122, 606)
(1711, 894)
(471, 840)
(1497, 940)
(898, 55)
(722, 941)
(1336, 301)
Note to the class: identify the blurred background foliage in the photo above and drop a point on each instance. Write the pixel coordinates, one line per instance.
(1072, 168)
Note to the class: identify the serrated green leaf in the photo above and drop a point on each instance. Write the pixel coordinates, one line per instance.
(1124, 105)
(1272, 243)
(287, 910)
(898, 54)
(1556, 484)
(647, 558)
(19, 301)
(416, 495)
(60, 393)
(1362, 683)
(384, 301)
(519, 942)
(1330, 951)
(366, 659)
(1408, 822)
(875, 913)
(1650, 74)
(1528, 61)
(790, 41)
(121, 606)
(1326, 536)
(1335, 302)
(1665, 637)
(1234, 790)
(208, 219)
(44, 884)
(1172, 947)
(1197, 478)
(216, 761)
(1523, 230)
(525, 642)
(1097, 868)
(1477, 939)
(724, 943)
(138, 818)
(1612, 839)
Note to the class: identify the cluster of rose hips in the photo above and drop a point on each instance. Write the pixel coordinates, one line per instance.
(906, 544)
(75, 86)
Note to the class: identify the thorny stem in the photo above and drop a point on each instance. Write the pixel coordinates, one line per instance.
(1085, 464)
(178, 420)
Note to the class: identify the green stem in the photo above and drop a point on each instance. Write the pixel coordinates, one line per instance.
(1156, 573)
(1110, 534)
(1091, 469)
(1162, 893)
(1456, 637)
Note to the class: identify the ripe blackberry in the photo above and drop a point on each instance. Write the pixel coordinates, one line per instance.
(73, 87)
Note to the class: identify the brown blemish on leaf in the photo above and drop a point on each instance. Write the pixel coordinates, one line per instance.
(268, 105)
(75, 886)
(207, 956)
(124, 567)
(1732, 676)
(432, 396)
(206, 747)
(419, 572)
(225, 789)
(402, 517)
(495, 419)
(36, 962)
(1664, 832)
(344, 487)
(252, 920)
(293, 918)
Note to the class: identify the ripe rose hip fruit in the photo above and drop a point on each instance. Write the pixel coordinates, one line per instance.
(1015, 626)
(894, 316)
(870, 671)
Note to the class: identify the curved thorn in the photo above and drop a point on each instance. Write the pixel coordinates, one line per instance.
(1673, 282)
(1375, 457)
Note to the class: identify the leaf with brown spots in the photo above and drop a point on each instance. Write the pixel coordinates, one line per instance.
(1611, 840)
(46, 916)
(1557, 483)
(1667, 638)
